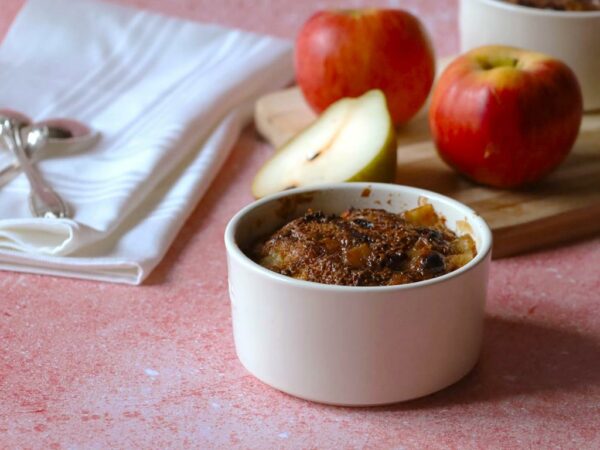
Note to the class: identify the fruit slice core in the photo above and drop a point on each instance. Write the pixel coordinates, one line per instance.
(345, 139)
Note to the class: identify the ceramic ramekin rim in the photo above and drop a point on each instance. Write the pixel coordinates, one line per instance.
(539, 12)
(234, 251)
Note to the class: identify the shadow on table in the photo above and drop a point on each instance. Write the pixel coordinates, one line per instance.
(520, 358)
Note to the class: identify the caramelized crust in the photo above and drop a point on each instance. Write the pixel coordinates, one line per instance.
(365, 247)
(560, 5)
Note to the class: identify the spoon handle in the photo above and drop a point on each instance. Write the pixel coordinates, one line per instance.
(10, 171)
(43, 201)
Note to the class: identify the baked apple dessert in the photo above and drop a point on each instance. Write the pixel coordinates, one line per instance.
(365, 247)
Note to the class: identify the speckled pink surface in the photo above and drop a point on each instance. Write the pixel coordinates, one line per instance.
(91, 365)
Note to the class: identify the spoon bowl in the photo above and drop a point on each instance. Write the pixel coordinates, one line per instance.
(67, 135)
(63, 135)
(36, 137)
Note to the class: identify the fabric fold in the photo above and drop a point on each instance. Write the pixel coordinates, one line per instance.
(169, 98)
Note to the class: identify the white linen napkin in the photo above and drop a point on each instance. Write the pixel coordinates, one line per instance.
(169, 98)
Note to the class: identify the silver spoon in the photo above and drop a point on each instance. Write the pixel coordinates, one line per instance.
(64, 135)
(43, 201)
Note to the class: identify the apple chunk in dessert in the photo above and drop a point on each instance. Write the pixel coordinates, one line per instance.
(365, 247)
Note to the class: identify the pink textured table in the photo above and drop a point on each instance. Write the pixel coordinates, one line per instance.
(91, 365)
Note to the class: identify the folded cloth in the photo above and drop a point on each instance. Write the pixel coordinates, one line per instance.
(169, 98)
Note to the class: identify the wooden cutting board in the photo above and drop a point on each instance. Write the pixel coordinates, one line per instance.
(563, 207)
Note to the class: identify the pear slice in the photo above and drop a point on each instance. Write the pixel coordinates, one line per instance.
(353, 140)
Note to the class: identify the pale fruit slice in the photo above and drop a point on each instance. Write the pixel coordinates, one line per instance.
(353, 140)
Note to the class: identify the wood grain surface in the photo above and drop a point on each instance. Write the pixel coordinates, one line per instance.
(563, 207)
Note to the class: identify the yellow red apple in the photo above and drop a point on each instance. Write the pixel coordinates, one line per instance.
(505, 117)
(345, 53)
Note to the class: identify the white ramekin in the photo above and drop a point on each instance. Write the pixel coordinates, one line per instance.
(573, 37)
(355, 345)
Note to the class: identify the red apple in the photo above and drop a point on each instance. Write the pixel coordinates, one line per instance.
(505, 117)
(347, 53)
